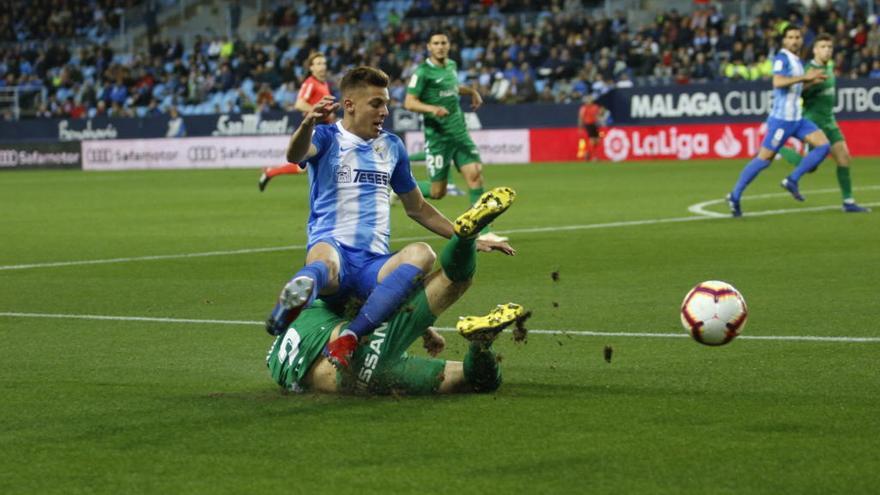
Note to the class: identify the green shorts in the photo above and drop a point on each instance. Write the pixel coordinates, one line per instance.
(379, 366)
(830, 128)
(382, 366)
(439, 154)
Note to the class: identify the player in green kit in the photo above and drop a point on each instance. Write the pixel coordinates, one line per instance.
(819, 100)
(434, 91)
(381, 365)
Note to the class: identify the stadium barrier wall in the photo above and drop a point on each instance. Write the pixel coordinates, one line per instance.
(495, 146)
(685, 141)
(857, 99)
(184, 153)
(40, 155)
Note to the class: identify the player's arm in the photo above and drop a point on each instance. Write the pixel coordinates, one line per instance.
(429, 217)
(300, 147)
(414, 104)
(425, 214)
(476, 99)
(302, 98)
(302, 105)
(812, 76)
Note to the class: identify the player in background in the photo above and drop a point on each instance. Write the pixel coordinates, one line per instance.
(785, 121)
(382, 365)
(434, 91)
(819, 100)
(590, 115)
(313, 89)
(351, 165)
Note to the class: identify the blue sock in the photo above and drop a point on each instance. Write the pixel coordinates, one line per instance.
(810, 162)
(385, 299)
(318, 272)
(748, 174)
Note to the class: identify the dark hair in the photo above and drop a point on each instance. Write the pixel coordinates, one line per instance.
(361, 77)
(437, 32)
(823, 37)
(788, 28)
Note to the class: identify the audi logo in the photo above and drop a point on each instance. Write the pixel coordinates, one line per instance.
(8, 158)
(100, 155)
(201, 153)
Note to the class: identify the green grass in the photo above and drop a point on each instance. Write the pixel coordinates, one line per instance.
(102, 406)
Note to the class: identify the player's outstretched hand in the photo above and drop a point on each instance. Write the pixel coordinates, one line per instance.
(487, 246)
(816, 75)
(434, 343)
(326, 106)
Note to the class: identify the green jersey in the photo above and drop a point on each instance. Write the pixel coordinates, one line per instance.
(819, 98)
(436, 85)
(294, 351)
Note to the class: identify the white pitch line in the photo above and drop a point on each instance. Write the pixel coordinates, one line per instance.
(150, 258)
(579, 333)
(700, 214)
(700, 208)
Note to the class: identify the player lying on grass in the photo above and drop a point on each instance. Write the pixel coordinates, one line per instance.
(381, 364)
(351, 165)
(819, 101)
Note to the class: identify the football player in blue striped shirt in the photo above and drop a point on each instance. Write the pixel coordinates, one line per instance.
(785, 121)
(353, 166)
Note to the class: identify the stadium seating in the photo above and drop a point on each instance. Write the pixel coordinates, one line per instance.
(566, 52)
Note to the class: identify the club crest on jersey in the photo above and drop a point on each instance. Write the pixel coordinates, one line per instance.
(343, 174)
(380, 150)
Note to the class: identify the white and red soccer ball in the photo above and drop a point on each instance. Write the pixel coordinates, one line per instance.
(714, 312)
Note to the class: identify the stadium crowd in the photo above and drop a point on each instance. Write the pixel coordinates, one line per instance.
(516, 51)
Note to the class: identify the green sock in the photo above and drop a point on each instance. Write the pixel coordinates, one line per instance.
(417, 157)
(459, 259)
(475, 195)
(481, 368)
(791, 156)
(845, 182)
(425, 187)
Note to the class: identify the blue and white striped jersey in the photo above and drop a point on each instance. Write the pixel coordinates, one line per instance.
(349, 181)
(786, 101)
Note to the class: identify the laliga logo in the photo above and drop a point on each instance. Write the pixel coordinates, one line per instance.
(728, 146)
(616, 145)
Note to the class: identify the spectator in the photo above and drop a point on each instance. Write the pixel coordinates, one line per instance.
(176, 125)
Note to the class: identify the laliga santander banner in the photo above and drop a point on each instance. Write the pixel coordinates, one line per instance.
(685, 142)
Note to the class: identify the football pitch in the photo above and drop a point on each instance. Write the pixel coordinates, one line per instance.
(133, 351)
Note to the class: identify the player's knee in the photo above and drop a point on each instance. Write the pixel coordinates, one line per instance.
(473, 174)
(421, 255)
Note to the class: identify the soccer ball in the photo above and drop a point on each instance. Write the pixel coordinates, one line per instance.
(714, 313)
